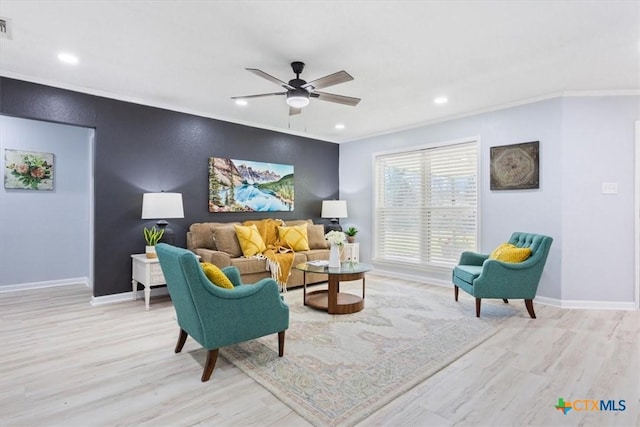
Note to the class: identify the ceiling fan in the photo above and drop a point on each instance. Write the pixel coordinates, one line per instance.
(299, 91)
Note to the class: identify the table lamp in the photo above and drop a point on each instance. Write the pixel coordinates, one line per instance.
(334, 209)
(161, 206)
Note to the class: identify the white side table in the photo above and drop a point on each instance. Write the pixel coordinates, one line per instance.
(351, 252)
(147, 272)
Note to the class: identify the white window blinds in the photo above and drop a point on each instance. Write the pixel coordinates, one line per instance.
(426, 205)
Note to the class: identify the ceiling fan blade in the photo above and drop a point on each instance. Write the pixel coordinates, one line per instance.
(294, 111)
(330, 80)
(269, 77)
(340, 99)
(259, 95)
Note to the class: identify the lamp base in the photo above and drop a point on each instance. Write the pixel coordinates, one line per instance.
(168, 237)
(334, 226)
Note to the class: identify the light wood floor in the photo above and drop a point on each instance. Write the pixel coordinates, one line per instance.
(66, 363)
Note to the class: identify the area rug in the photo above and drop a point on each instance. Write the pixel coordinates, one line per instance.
(339, 369)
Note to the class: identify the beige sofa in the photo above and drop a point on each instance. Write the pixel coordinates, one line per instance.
(216, 242)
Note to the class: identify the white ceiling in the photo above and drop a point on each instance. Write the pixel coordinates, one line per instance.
(190, 55)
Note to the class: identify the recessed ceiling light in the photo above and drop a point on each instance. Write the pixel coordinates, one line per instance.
(68, 58)
(241, 102)
(339, 126)
(441, 100)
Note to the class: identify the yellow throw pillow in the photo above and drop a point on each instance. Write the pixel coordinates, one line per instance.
(294, 237)
(497, 251)
(250, 240)
(216, 276)
(510, 253)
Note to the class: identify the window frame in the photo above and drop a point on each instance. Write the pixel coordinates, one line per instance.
(421, 265)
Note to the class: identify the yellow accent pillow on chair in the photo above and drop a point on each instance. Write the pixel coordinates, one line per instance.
(294, 237)
(216, 276)
(497, 251)
(250, 240)
(508, 252)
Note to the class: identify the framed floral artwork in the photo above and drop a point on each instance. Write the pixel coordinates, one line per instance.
(28, 170)
(515, 167)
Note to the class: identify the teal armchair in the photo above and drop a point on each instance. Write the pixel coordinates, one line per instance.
(482, 277)
(216, 317)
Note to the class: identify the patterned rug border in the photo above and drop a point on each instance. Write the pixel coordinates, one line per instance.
(238, 355)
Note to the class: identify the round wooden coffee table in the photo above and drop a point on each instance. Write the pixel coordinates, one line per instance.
(332, 300)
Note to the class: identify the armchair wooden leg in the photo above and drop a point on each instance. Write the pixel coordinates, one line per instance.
(529, 304)
(506, 301)
(212, 358)
(181, 340)
(455, 292)
(281, 343)
(478, 307)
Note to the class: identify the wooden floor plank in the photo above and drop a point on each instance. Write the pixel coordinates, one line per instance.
(65, 362)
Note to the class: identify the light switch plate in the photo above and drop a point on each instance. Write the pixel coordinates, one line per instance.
(609, 188)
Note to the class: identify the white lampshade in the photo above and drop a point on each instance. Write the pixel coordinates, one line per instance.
(334, 209)
(162, 205)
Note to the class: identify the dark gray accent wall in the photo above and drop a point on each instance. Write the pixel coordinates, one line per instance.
(142, 149)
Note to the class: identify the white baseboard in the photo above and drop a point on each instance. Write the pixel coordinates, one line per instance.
(161, 291)
(569, 304)
(46, 284)
(127, 296)
(413, 278)
(587, 305)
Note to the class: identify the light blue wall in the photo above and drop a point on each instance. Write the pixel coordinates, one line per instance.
(547, 210)
(597, 228)
(45, 235)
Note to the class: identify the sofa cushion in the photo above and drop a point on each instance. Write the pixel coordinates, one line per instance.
(294, 237)
(317, 254)
(202, 236)
(315, 235)
(250, 265)
(216, 276)
(250, 240)
(467, 273)
(226, 240)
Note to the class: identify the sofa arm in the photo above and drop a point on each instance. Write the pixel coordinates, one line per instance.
(190, 241)
(218, 258)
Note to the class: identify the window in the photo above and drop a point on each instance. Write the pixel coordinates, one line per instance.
(426, 205)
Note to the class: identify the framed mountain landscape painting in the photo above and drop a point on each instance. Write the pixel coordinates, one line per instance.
(248, 186)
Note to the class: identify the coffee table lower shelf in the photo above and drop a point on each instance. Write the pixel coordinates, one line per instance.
(345, 304)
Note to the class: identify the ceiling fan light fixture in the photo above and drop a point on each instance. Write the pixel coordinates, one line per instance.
(298, 100)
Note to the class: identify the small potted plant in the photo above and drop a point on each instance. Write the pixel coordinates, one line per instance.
(152, 236)
(351, 234)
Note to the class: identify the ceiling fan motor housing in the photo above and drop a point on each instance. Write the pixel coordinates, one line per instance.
(297, 67)
(297, 83)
